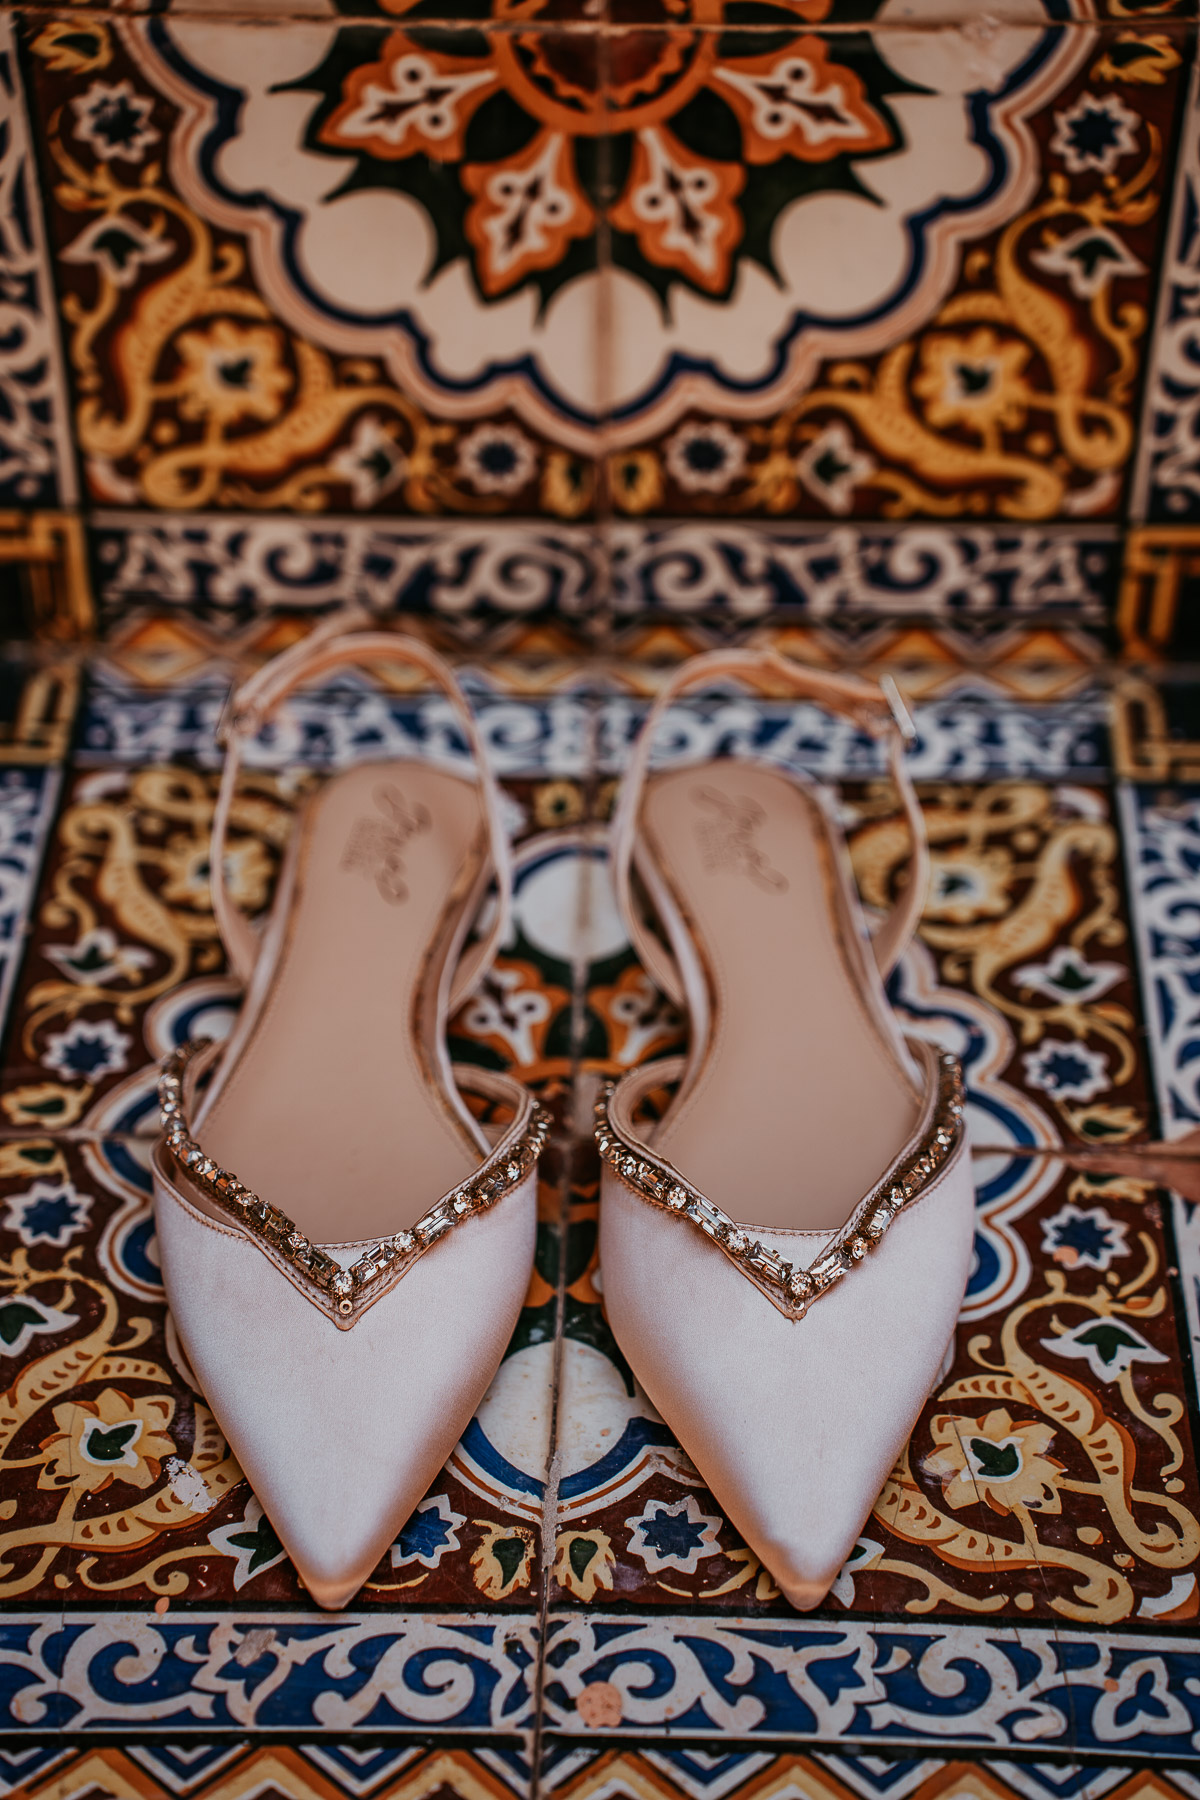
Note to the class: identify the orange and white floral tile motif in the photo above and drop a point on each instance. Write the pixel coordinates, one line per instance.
(726, 265)
(1005, 386)
(204, 377)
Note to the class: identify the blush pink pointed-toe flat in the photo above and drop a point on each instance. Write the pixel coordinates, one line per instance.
(345, 1249)
(785, 1252)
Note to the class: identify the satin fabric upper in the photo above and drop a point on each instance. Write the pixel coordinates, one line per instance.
(794, 1425)
(341, 1432)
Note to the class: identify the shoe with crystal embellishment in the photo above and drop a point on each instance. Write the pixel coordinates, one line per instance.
(786, 1250)
(345, 1249)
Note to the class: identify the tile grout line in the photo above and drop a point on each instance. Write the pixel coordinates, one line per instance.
(579, 973)
(550, 1492)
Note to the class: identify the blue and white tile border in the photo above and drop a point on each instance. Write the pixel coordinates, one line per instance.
(28, 800)
(1161, 835)
(956, 740)
(309, 1672)
(332, 729)
(1162, 848)
(889, 1686)
(1166, 484)
(789, 1682)
(36, 462)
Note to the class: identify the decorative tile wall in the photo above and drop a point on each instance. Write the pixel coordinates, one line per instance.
(579, 338)
(717, 312)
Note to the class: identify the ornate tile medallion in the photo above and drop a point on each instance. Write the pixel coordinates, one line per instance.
(757, 267)
(194, 386)
(771, 199)
(1010, 392)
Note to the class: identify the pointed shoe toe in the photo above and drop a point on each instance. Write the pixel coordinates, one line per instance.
(332, 1560)
(332, 1594)
(826, 1513)
(340, 1433)
(794, 1423)
(805, 1593)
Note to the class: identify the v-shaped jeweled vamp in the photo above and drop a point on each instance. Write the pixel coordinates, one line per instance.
(792, 1288)
(336, 1289)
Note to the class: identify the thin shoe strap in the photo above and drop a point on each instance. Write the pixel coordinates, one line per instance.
(247, 710)
(875, 707)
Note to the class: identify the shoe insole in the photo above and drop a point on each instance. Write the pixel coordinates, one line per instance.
(334, 1111)
(801, 1103)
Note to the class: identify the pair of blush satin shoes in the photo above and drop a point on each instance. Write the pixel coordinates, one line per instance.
(346, 1246)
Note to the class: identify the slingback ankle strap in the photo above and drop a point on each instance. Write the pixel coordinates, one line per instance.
(874, 707)
(248, 708)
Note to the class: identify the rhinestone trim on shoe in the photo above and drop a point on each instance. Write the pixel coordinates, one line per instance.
(792, 1288)
(343, 1290)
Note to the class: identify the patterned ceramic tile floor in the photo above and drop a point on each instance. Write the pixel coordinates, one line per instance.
(568, 1606)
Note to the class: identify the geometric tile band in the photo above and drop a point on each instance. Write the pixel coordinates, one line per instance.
(877, 1686)
(956, 741)
(460, 570)
(1161, 833)
(290, 1671)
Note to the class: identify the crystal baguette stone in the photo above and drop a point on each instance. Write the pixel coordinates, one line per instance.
(794, 1289)
(341, 1289)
